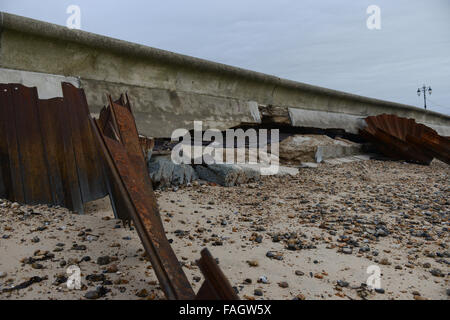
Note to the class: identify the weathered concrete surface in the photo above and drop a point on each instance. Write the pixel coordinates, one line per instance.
(316, 148)
(326, 120)
(48, 85)
(229, 175)
(164, 172)
(348, 159)
(171, 90)
(339, 149)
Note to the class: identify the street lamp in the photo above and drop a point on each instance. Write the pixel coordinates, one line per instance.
(424, 90)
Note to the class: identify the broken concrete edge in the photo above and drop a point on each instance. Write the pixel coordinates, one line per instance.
(164, 173)
(44, 29)
(326, 120)
(349, 123)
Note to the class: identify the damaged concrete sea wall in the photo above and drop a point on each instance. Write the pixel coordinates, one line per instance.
(170, 90)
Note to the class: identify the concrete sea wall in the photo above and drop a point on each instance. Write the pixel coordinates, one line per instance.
(169, 90)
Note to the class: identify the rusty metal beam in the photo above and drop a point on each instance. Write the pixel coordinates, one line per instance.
(216, 285)
(139, 206)
(122, 152)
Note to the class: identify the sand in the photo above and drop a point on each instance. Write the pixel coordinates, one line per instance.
(398, 211)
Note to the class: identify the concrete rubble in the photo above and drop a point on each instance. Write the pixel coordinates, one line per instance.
(316, 148)
(164, 172)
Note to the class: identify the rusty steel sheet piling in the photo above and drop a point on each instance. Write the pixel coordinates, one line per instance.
(404, 139)
(52, 152)
(48, 154)
(134, 199)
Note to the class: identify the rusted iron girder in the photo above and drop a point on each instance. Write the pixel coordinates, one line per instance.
(47, 152)
(134, 199)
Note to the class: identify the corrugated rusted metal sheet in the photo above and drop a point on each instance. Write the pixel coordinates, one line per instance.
(404, 139)
(52, 152)
(119, 141)
(48, 154)
(434, 144)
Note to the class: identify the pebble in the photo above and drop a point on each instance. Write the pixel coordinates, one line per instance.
(81, 247)
(342, 283)
(347, 250)
(258, 292)
(3, 275)
(85, 259)
(37, 266)
(437, 273)
(59, 279)
(91, 238)
(142, 293)
(299, 273)
(300, 297)
(92, 295)
(96, 277)
(263, 279)
(112, 268)
(102, 261)
(253, 263)
(283, 285)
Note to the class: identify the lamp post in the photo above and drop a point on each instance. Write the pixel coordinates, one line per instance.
(424, 90)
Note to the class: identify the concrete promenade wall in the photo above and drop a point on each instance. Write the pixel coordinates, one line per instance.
(170, 90)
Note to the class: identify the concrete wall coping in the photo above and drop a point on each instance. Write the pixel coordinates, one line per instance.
(44, 29)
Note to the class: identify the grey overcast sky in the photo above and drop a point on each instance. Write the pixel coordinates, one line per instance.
(320, 42)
